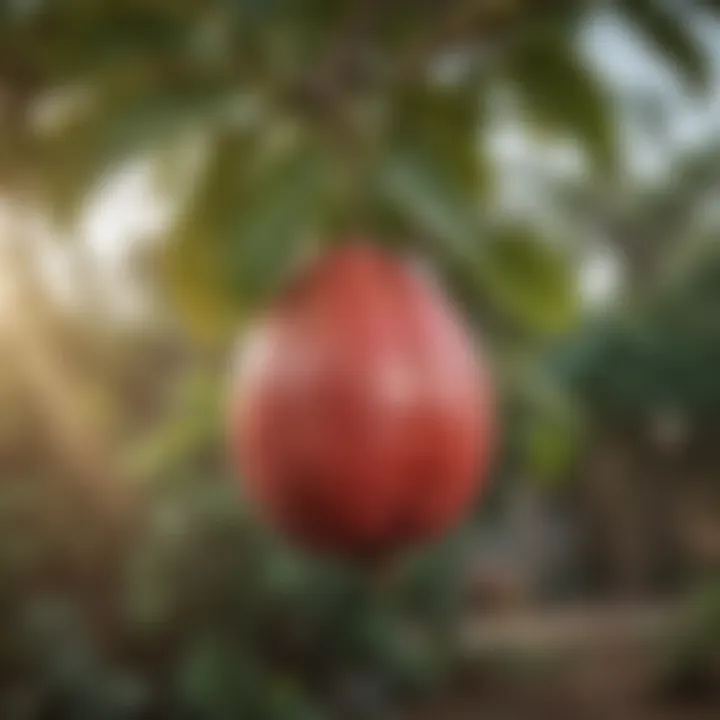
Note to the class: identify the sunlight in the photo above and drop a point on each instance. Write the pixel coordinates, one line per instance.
(7, 289)
(600, 277)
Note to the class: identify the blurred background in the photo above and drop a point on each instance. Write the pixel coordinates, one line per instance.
(165, 163)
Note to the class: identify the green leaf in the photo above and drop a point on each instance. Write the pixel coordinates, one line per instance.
(550, 446)
(279, 217)
(195, 261)
(193, 427)
(443, 123)
(666, 32)
(558, 91)
(419, 191)
(118, 126)
(530, 280)
(550, 421)
(434, 175)
(246, 225)
(524, 276)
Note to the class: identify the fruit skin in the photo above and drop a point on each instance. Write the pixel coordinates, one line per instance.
(361, 419)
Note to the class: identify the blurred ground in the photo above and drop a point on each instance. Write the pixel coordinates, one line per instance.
(569, 664)
(587, 692)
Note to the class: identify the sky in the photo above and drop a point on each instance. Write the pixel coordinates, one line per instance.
(631, 67)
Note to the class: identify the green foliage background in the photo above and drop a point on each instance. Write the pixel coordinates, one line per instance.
(277, 128)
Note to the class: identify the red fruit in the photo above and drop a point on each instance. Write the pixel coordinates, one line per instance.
(362, 421)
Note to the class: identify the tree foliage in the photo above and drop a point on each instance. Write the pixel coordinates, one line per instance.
(379, 107)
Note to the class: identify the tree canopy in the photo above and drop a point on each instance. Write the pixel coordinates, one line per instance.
(281, 125)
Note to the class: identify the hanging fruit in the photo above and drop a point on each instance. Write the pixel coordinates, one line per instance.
(361, 419)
